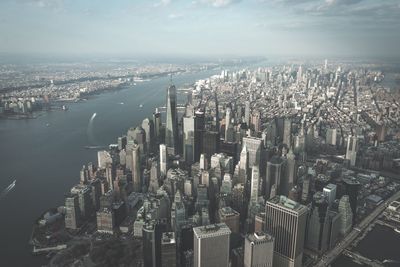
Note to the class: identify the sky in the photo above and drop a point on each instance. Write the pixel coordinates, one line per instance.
(356, 28)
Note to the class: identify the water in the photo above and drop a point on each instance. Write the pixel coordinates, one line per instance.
(45, 155)
(382, 243)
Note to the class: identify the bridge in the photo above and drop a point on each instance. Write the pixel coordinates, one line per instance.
(331, 255)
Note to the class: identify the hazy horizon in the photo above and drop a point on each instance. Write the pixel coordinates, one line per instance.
(270, 28)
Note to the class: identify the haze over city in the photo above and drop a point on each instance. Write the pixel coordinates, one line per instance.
(347, 28)
(203, 133)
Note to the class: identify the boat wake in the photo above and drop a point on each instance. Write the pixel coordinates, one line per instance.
(7, 190)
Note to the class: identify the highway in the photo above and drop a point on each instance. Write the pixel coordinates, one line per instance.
(328, 257)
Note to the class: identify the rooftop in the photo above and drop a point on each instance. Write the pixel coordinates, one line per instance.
(286, 203)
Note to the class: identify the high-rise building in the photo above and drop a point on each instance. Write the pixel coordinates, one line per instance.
(211, 245)
(72, 212)
(330, 193)
(163, 160)
(346, 215)
(351, 152)
(331, 136)
(318, 224)
(149, 245)
(157, 125)
(258, 250)
(189, 139)
(227, 123)
(286, 221)
(243, 165)
(352, 186)
(255, 181)
(289, 173)
(273, 175)
(254, 148)
(210, 142)
(168, 250)
(148, 128)
(171, 127)
(230, 217)
(247, 113)
(136, 168)
(198, 133)
(287, 132)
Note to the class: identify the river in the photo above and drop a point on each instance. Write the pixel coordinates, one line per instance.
(46, 154)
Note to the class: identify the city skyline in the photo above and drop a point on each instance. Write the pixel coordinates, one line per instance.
(201, 28)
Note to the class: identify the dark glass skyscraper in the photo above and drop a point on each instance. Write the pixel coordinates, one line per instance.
(171, 128)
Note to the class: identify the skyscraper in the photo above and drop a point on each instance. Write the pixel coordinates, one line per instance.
(286, 221)
(136, 168)
(163, 160)
(287, 132)
(258, 250)
(227, 123)
(72, 212)
(346, 215)
(255, 181)
(168, 249)
(171, 127)
(211, 245)
(273, 175)
(157, 125)
(352, 186)
(351, 152)
(330, 193)
(188, 139)
(254, 147)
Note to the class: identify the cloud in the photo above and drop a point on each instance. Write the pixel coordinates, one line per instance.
(219, 3)
(174, 16)
(162, 3)
(55, 5)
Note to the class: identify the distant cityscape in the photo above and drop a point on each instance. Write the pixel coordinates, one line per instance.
(285, 165)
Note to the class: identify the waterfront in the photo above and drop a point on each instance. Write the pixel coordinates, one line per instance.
(45, 155)
(381, 243)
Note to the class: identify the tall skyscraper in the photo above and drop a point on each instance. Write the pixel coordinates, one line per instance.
(247, 113)
(255, 181)
(72, 212)
(198, 133)
(346, 215)
(254, 147)
(287, 132)
(188, 139)
(318, 224)
(258, 250)
(227, 123)
(136, 168)
(286, 221)
(243, 165)
(289, 172)
(163, 160)
(211, 245)
(351, 152)
(148, 128)
(171, 127)
(168, 250)
(352, 186)
(273, 175)
(157, 125)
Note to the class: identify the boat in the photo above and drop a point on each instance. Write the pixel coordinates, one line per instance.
(64, 107)
(141, 105)
(397, 230)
